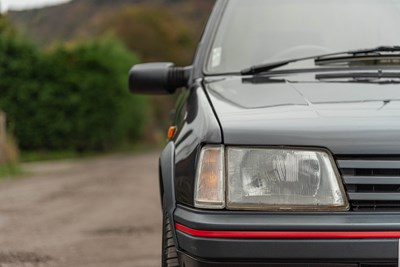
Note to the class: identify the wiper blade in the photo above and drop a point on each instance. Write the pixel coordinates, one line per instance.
(320, 59)
(395, 48)
(359, 75)
(270, 66)
(385, 54)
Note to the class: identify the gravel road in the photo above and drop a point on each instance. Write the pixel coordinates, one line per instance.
(95, 212)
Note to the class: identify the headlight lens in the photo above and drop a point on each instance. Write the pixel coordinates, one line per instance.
(210, 186)
(283, 179)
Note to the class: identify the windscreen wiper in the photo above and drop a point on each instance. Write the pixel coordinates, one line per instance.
(256, 69)
(359, 75)
(325, 58)
(381, 54)
(378, 77)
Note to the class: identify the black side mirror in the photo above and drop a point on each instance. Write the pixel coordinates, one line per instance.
(157, 78)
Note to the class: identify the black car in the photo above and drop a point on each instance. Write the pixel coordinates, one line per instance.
(285, 144)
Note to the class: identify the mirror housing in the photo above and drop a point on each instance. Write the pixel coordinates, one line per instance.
(157, 78)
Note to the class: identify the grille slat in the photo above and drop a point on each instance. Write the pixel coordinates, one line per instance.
(371, 180)
(367, 164)
(375, 196)
(372, 185)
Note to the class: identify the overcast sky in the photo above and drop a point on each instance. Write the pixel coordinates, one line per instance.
(27, 4)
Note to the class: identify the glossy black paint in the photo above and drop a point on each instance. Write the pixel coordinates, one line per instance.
(194, 262)
(167, 172)
(278, 221)
(197, 125)
(299, 110)
(285, 109)
(294, 251)
(197, 251)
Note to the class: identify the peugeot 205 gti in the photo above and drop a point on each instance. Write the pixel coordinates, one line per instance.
(284, 147)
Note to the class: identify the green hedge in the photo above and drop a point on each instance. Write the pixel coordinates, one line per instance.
(70, 98)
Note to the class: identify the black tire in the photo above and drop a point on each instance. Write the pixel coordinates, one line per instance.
(169, 254)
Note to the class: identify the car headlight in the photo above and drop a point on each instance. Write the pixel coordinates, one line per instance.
(210, 185)
(273, 179)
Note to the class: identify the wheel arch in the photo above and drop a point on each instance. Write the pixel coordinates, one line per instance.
(166, 177)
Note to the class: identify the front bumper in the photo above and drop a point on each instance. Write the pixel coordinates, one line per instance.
(335, 239)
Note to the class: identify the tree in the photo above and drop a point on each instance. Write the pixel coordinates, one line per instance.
(155, 32)
(71, 98)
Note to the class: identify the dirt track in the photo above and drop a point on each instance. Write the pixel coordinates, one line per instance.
(99, 212)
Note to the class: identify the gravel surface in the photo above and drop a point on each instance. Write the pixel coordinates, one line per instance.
(95, 212)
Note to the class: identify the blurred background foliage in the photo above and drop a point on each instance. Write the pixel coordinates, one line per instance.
(163, 35)
(64, 70)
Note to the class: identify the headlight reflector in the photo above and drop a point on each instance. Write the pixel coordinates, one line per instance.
(283, 179)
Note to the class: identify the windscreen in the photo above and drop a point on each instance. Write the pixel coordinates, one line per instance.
(253, 32)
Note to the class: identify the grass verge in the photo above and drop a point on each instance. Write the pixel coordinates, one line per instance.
(10, 170)
(35, 156)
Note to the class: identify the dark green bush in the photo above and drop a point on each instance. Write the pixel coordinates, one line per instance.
(69, 99)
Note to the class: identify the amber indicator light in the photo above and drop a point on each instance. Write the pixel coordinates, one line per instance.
(171, 132)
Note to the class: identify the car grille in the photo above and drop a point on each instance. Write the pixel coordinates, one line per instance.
(372, 185)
